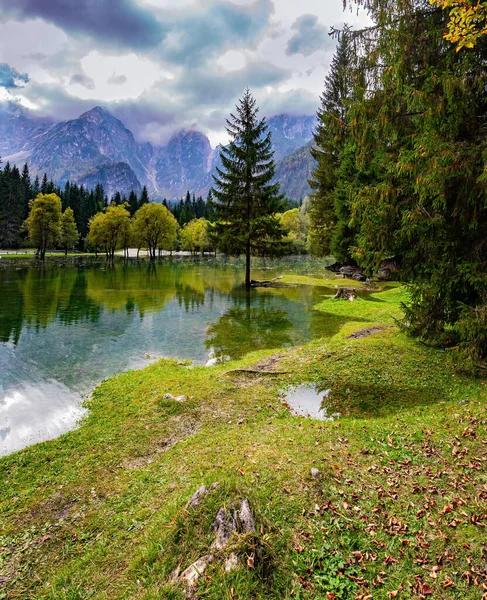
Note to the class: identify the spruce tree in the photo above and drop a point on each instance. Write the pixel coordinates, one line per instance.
(328, 212)
(133, 202)
(144, 198)
(246, 198)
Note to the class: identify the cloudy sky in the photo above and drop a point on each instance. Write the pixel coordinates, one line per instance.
(161, 65)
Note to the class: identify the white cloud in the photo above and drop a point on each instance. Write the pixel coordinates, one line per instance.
(208, 52)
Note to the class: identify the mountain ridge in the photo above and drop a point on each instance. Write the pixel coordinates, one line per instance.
(98, 145)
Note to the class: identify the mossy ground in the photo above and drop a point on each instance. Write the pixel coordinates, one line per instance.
(398, 510)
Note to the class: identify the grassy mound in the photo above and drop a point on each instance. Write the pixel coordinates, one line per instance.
(397, 511)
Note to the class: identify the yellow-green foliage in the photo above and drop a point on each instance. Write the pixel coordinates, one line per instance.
(154, 227)
(194, 236)
(110, 229)
(43, 225)
(468, 21)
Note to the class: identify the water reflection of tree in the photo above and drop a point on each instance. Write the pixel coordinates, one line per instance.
(79, 306)
(251, 324)
(147, 287)
(11, 311)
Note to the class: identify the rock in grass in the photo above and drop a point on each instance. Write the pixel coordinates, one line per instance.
(191, 575)
(224, 526)
(229, 521)
(246, 520)
(176, 398)
(346, 293)
(197, 496)
(315, 472)
(231, 563)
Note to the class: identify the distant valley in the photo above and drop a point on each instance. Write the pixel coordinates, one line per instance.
(98, 148)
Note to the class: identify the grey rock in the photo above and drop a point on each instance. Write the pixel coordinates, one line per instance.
(191, 575)
(359, 277)
(224, 526)
(246, 523)
(231, 563)
(197, 496)
(346, 293)
(315, 472)
(232, 521)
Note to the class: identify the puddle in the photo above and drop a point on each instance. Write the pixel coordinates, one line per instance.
(307, 401)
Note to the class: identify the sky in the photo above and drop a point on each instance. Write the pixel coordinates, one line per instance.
(164, 65)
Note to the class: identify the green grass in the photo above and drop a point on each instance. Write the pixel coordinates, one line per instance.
(329, 280)
(397, 511)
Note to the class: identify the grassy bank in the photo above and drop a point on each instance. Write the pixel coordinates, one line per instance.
(397, 511)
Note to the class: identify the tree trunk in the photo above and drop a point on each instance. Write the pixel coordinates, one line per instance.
(247, 266)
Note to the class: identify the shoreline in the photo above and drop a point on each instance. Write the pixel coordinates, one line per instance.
(113, 494)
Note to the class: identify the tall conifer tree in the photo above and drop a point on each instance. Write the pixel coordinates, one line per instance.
(329, 215)
(246, 199)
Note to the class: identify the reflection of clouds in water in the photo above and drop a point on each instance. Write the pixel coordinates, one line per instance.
(31, 413)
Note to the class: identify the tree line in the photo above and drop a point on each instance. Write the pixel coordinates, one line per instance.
(400, 149)
(17, 189)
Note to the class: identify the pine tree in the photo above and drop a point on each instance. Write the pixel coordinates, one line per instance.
(328, 212)
(26, 190)
(144, 198)
(36, 188)
(246, 199)
(133, 202)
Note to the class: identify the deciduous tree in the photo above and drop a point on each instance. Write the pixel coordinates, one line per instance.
(155, 227)
(69, 232)
(43, 225)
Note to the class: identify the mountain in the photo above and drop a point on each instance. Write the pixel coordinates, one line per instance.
(118, 177)
(294, 171)
(183, 164)
(73, 148)
(289, 133)
(19, 128)
(98, 148)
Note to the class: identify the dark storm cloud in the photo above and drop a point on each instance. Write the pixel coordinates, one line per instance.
(120, 23)
(309, 36)
(201, 87)
(10, 78)
(197, 36)
(83, 80)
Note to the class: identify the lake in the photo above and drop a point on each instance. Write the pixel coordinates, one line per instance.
(67, 325)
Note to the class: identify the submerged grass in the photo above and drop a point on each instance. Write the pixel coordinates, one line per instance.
(397, 511)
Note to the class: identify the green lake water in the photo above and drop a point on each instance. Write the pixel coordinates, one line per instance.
(67, 325)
